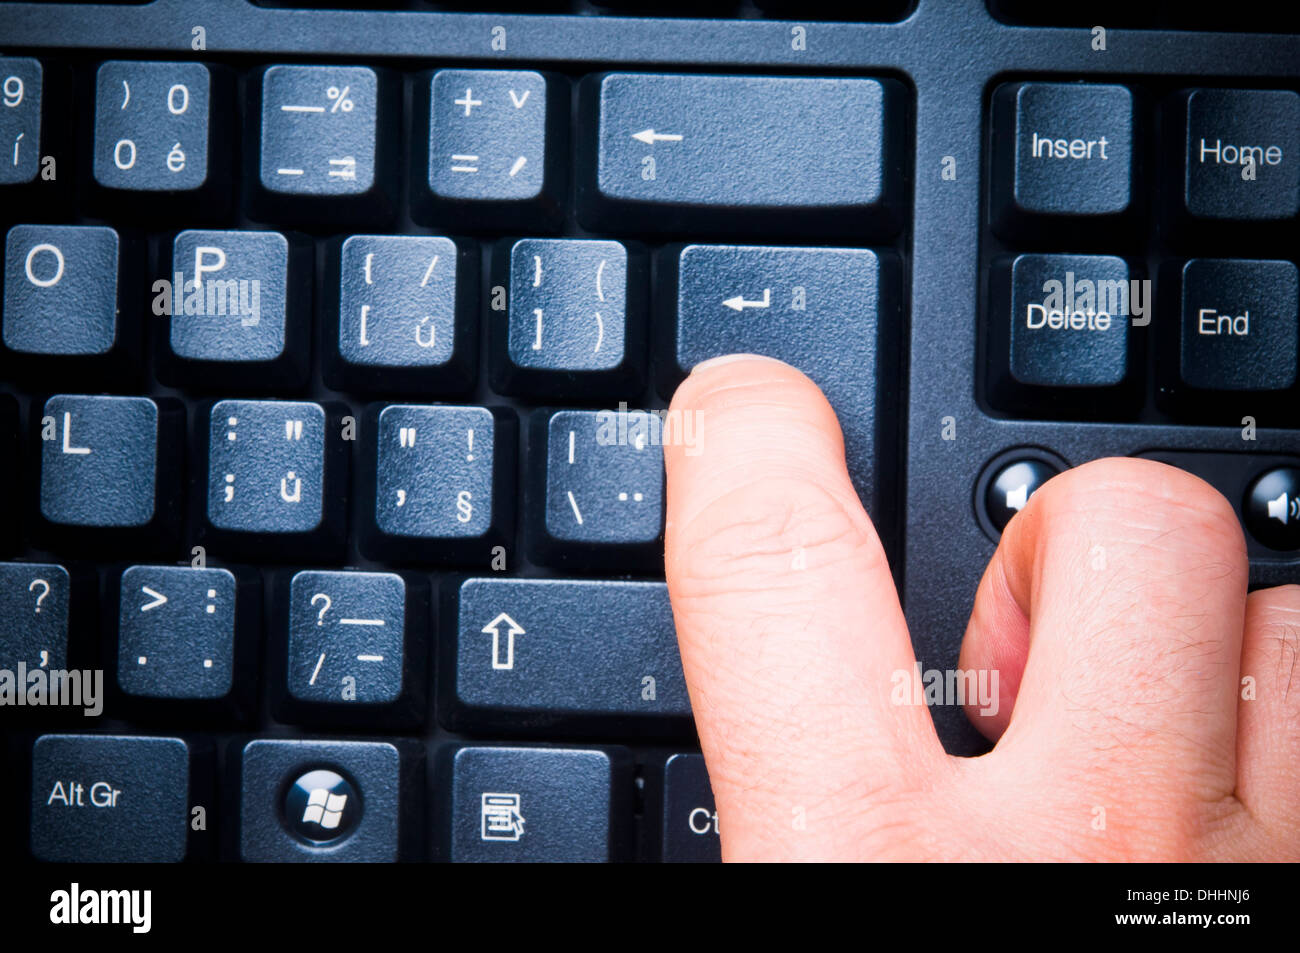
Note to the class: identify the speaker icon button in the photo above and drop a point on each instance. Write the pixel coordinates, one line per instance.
(1011, 486)
(1272, 508)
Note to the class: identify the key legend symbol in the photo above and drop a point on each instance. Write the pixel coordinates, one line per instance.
(340, 98)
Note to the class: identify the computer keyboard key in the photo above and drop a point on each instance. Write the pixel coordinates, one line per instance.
(834, 313)
(153, 126)
(596, 489)
(276, 471)
(355, 644)
(1272, 508)
(110, 470)
(1240, 327)
(110, 799)
(576, 321)
(1063, 160)
(405, 318)
(530, 805)
(61, 289)
(596, 656)
(492, 146)
(21, 80)
(666, 153)
(34, 604)
(689, 822)
(65, 287)
(1011, 486)
(437, 482)
(1060, 324)
(177, 632)
(1240, 155)
(239, 310)
(340, 801)
(327, 140)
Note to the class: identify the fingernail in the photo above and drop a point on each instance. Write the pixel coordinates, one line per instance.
(730, 359)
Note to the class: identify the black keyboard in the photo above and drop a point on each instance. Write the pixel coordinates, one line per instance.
(337, 348)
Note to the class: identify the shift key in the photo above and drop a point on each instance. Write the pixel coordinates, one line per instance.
(722, 153)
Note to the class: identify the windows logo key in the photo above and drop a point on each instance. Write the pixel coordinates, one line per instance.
(322, 806)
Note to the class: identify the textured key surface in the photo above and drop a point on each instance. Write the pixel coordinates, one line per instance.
(567, 304)
(717, 144)
(151, 125)
(1240, 324)
(435, 471)
(604, 477)
(690, 819)
(20, 118)
(529, 805)
(539, 651)
(267, 833)
(488, 134)
(176, 632)
(1234, 131)
(101, 467)
(60, 289)
(240, 307)
(1062, 149)
(397, 301)
(830, 312)
(266, 466)
(318, 129)
(33, 615)
(106, 798)
(346, 632)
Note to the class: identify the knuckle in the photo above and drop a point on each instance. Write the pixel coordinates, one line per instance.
(769, 534)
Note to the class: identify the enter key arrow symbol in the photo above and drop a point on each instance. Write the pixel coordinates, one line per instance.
(158, 599)
(493, 629)
(738, 303)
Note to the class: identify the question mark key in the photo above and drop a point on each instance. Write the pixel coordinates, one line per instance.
(34, 607)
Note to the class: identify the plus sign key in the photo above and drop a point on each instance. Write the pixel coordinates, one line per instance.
(490, 142)
(326, 139)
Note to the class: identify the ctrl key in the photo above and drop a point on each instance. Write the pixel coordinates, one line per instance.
(106, 798)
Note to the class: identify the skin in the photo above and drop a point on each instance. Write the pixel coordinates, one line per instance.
(1122, 732)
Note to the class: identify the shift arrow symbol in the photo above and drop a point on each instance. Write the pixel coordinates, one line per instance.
(650, 137)
(158, 599)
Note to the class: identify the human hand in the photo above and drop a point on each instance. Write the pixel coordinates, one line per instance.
(1120, 679)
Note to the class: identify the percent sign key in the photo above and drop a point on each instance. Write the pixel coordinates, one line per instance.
(325, 131)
